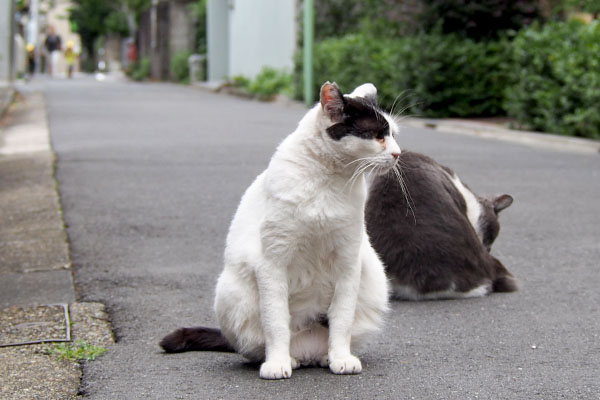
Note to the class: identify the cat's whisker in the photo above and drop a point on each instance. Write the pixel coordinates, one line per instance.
(356, 173)
(360, 170)
(400, 97)
(409, 201)
(357, 160)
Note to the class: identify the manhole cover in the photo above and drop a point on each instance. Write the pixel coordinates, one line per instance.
(30, 325)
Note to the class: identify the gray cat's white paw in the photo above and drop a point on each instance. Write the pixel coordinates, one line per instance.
(324, 362)
(295, 363)
(276, 369)
(345, 365)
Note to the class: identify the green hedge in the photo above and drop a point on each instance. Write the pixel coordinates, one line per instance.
(547, 78)
(429, 75)
(557, 79)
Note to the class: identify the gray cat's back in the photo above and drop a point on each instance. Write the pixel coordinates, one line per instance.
(429, 245)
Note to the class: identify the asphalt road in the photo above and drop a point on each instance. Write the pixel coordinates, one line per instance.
(150, 176)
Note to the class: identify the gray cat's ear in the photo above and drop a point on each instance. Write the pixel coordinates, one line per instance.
(502, 202)
(332, 101)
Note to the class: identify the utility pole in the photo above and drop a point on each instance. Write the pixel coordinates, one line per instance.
(7, 18)
(309, 37)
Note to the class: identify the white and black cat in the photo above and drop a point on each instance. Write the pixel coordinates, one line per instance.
(435, 240)
(301, 283)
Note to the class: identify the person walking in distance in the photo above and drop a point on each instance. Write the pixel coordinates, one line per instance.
(70, 58)
(53, 47)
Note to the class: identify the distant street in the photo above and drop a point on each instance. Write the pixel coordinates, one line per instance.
(151, 174)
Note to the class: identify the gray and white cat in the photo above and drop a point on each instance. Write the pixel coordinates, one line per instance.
(435, 242)
(301, 283)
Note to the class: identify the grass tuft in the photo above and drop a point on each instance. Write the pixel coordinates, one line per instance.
(76, 351)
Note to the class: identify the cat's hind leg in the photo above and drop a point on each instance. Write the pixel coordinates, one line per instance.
(237, 310)
(373, 297)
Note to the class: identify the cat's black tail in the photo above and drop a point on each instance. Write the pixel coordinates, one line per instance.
(504, 281)
(195, 339)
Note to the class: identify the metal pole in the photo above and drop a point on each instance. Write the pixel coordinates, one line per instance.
(309, 37)
(35, 34)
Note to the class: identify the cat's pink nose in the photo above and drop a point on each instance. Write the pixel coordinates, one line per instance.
(395, 155)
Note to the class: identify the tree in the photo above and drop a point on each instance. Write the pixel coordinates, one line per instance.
(88, 19)
(92, 19)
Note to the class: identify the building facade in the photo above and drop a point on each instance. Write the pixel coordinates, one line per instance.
(246, 35)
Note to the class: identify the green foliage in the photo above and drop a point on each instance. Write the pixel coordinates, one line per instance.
(427, 75)
(480, 19)
(268, 83)
(140, 70)
(89, 18)
(240, 81)
(198, 9)
(92, 19)
(588, 6)
(180, 68)
(336, 18)
(76, 351)
(557, 83)
(116, 23)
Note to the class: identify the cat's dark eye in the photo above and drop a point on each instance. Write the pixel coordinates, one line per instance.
(378, 136)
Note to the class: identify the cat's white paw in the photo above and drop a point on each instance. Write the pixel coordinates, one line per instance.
(276, 369)
(345, 365)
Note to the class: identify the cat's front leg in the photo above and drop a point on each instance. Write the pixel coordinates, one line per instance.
(275, 320)
(341, 317)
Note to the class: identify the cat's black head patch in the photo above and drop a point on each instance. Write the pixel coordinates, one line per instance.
(361, 118)
(355, 116)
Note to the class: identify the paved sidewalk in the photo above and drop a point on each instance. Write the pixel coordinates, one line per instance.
(35, 265)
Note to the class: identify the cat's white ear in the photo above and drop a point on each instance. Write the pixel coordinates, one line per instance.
(502, 202)
(367, 91)
(332, 101)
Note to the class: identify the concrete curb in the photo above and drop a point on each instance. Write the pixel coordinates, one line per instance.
(491, 131)
(35, 266)
(7, 94)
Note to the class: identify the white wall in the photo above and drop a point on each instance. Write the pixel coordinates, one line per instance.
(261, 33)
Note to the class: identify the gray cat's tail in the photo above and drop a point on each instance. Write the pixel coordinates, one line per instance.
(504, 281)
(195, 339)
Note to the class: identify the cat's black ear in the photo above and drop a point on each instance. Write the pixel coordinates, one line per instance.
(502, 202)
(332, 101)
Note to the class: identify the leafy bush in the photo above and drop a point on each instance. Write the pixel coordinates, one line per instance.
(428, 75)
(140, 70)
(198, 11)
(481, 19)
(557, 83)
(180, 68)
(452, 76)
(116, 22)
(268, 83)
(240, 81)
